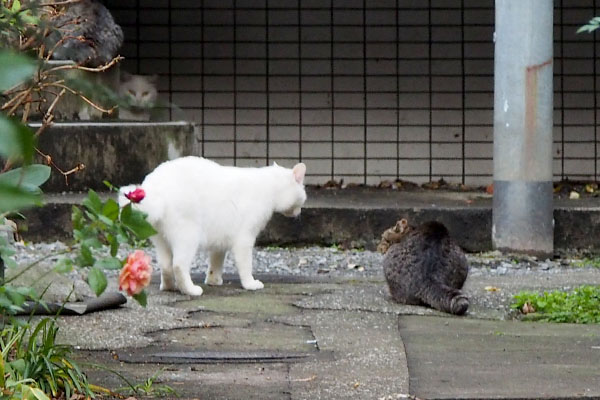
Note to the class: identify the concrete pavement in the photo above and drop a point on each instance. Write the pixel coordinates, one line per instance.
(325, 338)
(308, 338)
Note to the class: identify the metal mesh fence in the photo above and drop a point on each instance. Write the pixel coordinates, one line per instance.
(359, 90)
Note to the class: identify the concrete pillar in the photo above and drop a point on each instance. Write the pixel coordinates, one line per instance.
(523, 103)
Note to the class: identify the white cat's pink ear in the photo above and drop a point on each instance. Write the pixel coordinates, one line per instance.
(299, 171)
(275, 164)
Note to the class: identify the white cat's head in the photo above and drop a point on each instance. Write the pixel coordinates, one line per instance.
(292, 195)
(139, 90)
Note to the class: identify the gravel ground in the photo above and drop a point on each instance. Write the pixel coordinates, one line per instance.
(493, 281)
(328, 261)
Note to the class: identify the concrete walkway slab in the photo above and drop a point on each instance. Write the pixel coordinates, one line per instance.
(326, 337)
(368, 357)
(461, 358)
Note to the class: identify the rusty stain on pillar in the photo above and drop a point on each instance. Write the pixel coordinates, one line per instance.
(523, 106)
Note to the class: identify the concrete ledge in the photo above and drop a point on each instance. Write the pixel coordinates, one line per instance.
(121, 153)
(356, 218)
(351, 227)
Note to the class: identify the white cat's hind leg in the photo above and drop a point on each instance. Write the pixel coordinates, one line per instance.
(214, 275)
(183, 255)
(243, 261)
(165, 258)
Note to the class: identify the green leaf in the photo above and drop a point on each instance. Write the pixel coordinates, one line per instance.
(15, 68)
(141, 298)
(111, 210)
(136, 222)
(16, 297)
(9, 262)
(63, 265)
(16, 198)
(92, 243)
(18, 365)
(33, 175)
(92, 202)
(77, 218)
(16, 139)
(16, 7)
(5, 302)
(26, 291)
(85, 258)
(110, 186)
(108, 263)
(105, 220)
(114, 244)
(37, 393)
(97, 281)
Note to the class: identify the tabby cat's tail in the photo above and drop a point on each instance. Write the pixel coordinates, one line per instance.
(444, 298)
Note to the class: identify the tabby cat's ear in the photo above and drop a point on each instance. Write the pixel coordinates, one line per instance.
(299, 171)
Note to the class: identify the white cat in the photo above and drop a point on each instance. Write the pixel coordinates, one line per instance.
(196, 203)
(140, 93)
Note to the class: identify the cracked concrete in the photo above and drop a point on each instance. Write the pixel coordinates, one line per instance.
(343, 339)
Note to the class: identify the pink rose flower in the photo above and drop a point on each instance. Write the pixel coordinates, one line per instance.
(136, 195)
(136, 273)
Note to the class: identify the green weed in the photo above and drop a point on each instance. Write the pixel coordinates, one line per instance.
(32, 363)
(580, 306)
(149, 388)
(587, 262)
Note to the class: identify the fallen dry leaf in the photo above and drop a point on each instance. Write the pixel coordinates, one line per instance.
(309, 379)
(302, 261)
(528, 308)
(356, 385)
(574, 195)
(386, 184)
(492, 289)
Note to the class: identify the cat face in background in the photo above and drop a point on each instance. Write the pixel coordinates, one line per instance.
(140, 92)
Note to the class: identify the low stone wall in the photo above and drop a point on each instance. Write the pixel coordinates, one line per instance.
(121, 153)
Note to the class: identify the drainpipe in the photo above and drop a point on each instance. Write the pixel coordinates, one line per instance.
(523, 104)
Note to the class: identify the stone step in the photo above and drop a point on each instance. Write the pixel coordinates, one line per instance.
(357, 217)
(121, 153)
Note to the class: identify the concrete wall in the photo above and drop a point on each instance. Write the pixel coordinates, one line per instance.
(120, 153)
(399, 88)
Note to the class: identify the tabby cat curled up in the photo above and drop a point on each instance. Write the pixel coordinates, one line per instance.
(424, 266)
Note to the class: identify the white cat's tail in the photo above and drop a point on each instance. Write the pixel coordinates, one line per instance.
(123, 200)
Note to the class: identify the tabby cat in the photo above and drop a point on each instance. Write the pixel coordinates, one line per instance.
(424, 266)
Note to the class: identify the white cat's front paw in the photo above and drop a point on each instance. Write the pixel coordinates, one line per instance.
(254, 284)
(213, 280)
(192, 290)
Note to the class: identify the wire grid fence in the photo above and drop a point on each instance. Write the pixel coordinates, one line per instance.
(359, 90)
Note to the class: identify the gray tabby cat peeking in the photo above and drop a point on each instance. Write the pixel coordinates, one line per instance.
(424, 266)
(84, 32)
